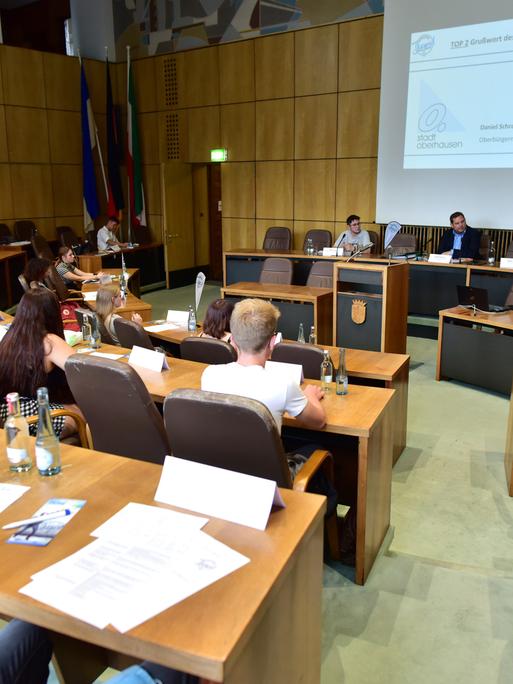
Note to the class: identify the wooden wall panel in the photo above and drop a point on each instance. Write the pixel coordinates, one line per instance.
(200, 77)
(203, 133)
(3, 136)
(200, 211)
(62, 82)
(27, 134)
(149, 137)
(358, 124)
(31, 190)
(172, 126)
(97, 85)
(302, 227)
(169, 92)
(75, 222)
(314, 190)
(238, 131)
(65, 136)
(315, 127)
(263, 224)
(6, 205)
(22, 76)
(275, 189)
(275, 129)
(238, 232)
(156, 227)
(67, 188)
(356, 188)
(237, 72)
(360, 45)
(238, 184)
(152, 190)
(1, 77)
(274, 66)
(143, 71)
(316, 57)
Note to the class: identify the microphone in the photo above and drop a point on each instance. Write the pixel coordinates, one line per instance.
(359, 251)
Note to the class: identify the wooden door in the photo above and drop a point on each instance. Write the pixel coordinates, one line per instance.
(178, 215)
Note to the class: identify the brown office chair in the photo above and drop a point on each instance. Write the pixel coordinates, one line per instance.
(321, 274)
(207, 350)
(306, 355)
(277, 238)
(403, 243)
(374, 238)
(142, 235)
(41, 247)
(122, 416)
(24, 230)
(57, 284)
(67, 236)
(130, 333)
(320, 238)
(5, 234)
(105, 335)
(238, 434)
(276, 270)
(23, 282)
(509, 251)
(484, 246)
(509, 298)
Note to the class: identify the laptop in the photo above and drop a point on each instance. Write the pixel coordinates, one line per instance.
(478, 297)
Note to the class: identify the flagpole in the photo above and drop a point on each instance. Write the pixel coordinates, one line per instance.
(128, 131)
(84, 207)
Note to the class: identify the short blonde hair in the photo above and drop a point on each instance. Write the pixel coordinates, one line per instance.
(105, 299)
(253, 323)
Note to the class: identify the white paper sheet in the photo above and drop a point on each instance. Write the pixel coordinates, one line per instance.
(225, 494)
(146, 358)
(160, 327)
(506, 262)
(293, 371)
(180, 318)
(439, 258)
(9, 493)
(89, 296)
(104, 355)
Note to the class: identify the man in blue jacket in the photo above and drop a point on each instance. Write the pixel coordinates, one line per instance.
(460, 241)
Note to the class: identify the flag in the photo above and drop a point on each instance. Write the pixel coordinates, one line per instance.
(91, 205)
(115, 201)
(133, 157)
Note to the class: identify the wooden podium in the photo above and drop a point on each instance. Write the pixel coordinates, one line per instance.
(370, 306)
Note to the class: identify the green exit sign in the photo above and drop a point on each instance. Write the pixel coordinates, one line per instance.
(218, 155)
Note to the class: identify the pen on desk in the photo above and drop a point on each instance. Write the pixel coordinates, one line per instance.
(37, 519)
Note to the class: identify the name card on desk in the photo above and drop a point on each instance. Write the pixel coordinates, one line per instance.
(146, 358)
(292, 371)
(216, 492)
(506, 262)
(439, 259)
(330, 251)
(179, 318)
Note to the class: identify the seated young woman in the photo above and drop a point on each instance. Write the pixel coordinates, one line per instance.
(217, 320)
(32, 355)
(109, 298)
(70, 273)
(36, 271)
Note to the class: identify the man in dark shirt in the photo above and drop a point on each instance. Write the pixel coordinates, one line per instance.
(460, 241)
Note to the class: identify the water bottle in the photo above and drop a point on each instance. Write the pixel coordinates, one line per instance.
(309, 247)
(312, 337)
(191, 321)
(341, 377)
(16, 435)
(96, 338)
(326, 371)
(86, 329)
(301, 334)
(48, 454)
(491, 254)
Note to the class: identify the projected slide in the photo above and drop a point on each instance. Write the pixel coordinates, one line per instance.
(460, 98)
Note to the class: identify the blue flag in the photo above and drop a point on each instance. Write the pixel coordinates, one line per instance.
(92, 207)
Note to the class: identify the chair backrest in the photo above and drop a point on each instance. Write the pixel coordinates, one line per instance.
(142, 235)
(41, 247)
(484, 246)
(277, 238)
(276, 270)
(320, 238)
(23, 282)
(130, 333)
(67, 236)
(24, 230)
(509, 251)
(225, 431)
(122, 416)
(509, 298)
(105, 335)
(207, 350)
(374, 238)
(5, 233)
(305, 355)
(321, 274)
(57, 284)
(403, 243)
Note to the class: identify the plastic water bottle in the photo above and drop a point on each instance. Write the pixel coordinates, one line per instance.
(341, 377)
(491, 254)
(326, 371)
(16, 435)
(301, 334)
(312, 337)
(48, 452)
(96, 338)
(309, 247)
(86, 329)
(191, 321)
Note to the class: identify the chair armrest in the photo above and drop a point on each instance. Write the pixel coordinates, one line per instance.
(319, 459)
(81, 424)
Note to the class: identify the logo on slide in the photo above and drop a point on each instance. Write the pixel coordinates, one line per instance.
(423, 45)
(433, 114)
(433, 118)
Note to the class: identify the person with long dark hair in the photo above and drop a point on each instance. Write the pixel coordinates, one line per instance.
(33, 354)
(36, 271)
(217, 320)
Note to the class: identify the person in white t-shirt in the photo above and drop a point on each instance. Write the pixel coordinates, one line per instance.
(253, 328)
(354, 237)
(107, 236)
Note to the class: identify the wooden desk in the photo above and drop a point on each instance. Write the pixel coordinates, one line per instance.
(132, 304)
(149, 259)
(297, 303)
(365, 417)
(470, 354)
(12, 263)
(259, 624)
